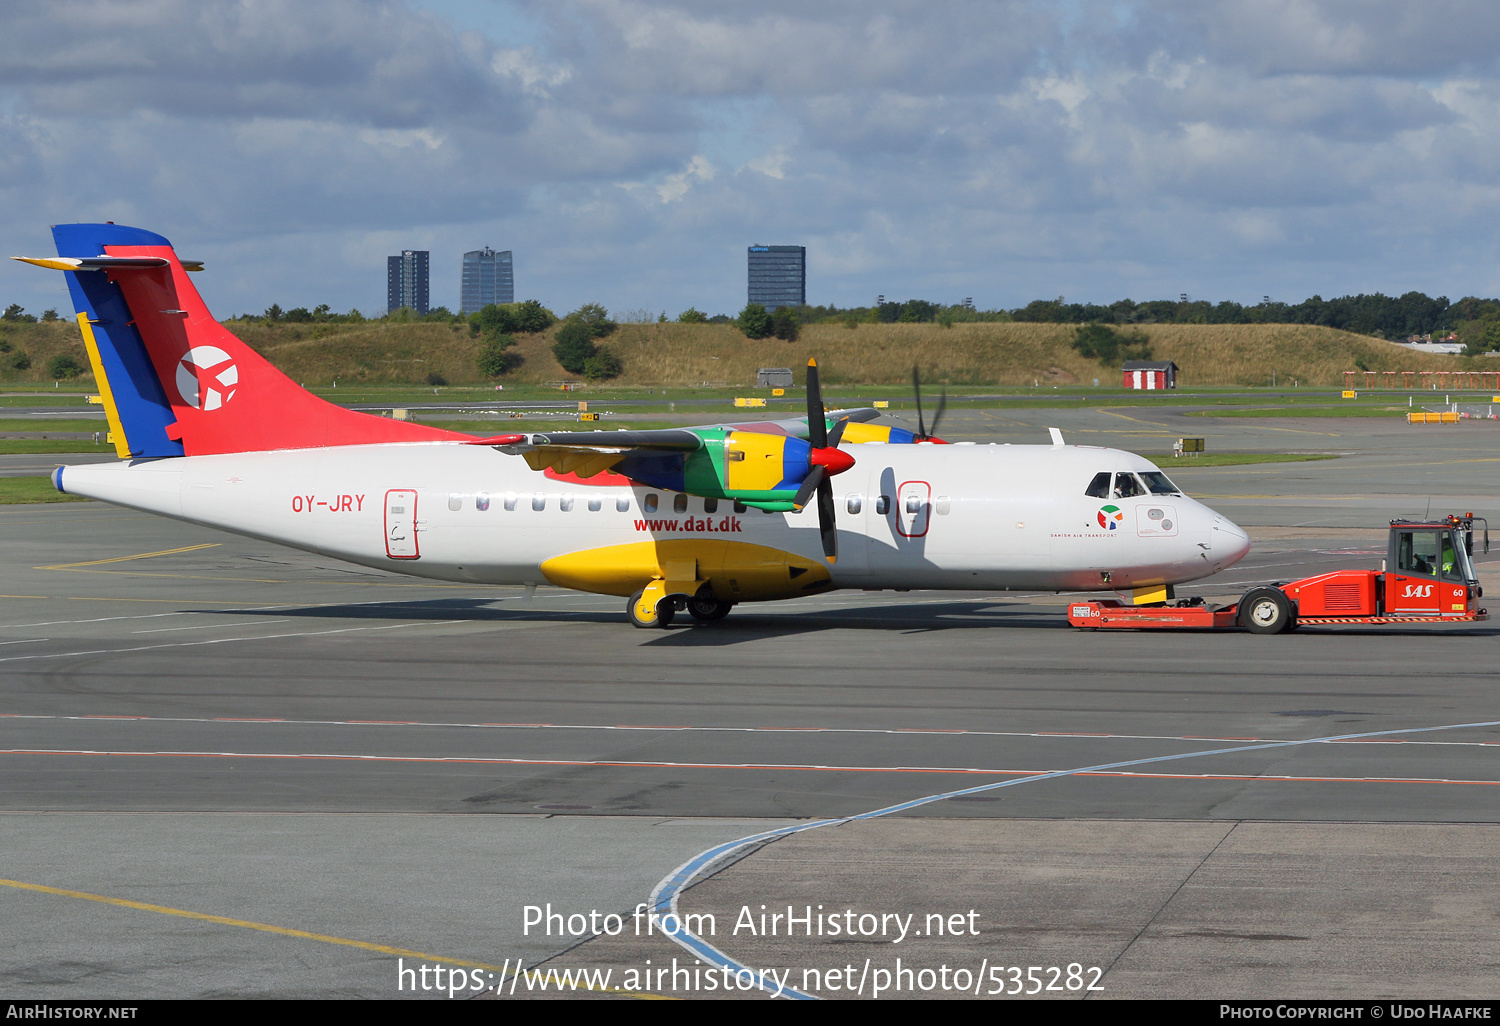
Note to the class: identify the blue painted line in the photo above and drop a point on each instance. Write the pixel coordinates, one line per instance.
(664, 897)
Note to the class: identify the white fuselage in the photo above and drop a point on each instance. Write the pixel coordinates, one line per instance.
(953, 516)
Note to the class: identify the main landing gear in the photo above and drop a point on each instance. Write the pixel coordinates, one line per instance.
(705, 607)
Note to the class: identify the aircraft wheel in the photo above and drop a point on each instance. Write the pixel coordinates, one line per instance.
(1266, 611)
(663, 613)
(705, 608)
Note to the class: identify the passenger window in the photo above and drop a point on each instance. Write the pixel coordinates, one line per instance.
(1099, 487)
(739, 507)
(481, 501)
(650, 504)
(1127, 487)
(710, 505)
(944, 505)
(539, 502)
(913, 504)
(679, 503)
(622, 504)
(455, 502)
(510, 501)
(855, 504)
(595, 504)
(883, 505)
(565, 504)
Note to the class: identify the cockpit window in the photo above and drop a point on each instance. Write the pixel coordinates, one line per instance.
(1099, 487)
(1158, 483)
(1127, 487)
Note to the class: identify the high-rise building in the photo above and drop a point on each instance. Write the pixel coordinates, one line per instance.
(488, 278)
(406, 281)
(778, 275)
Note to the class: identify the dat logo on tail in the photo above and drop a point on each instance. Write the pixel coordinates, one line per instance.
(207, 377)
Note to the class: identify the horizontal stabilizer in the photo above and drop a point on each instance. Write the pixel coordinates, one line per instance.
(105, 263)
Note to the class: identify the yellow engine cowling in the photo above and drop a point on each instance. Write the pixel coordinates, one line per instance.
(737, 571)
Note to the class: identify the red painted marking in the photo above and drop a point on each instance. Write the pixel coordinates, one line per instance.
(102, 717)
(247, 719)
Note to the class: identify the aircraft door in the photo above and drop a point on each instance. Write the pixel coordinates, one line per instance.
(401, 524)
(913, 508)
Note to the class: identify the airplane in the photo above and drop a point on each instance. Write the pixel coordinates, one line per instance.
(685, 519)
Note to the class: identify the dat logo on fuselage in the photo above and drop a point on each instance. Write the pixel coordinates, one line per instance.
(207, 377)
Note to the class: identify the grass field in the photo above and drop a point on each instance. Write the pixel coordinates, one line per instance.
(685, 355)
(22, 446)
(1309, 411)
(32, 489)
(1166, 461)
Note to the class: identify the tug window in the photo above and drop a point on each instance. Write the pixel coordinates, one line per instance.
(1099, 487)
(1127, 487)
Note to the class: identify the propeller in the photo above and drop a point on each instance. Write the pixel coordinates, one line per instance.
(827, 459)
(923, 435)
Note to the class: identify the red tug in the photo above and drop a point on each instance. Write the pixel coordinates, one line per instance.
(1427, 577)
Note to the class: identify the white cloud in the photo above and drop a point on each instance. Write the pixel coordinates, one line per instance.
(995, 148)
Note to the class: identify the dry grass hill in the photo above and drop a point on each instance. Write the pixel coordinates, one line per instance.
(685, 355)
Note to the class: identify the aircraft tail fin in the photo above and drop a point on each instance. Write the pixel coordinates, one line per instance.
(175, 381)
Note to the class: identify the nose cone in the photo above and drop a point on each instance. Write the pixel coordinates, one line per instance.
(833, 461)
(1229, 541)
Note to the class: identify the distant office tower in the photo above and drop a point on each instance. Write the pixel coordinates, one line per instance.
(778, 276)
(488, 278)
(406, 281)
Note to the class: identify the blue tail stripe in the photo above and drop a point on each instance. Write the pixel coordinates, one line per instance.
(139, 397)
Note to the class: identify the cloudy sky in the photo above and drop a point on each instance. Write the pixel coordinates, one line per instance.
(628, 152)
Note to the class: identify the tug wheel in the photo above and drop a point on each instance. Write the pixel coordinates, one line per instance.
(1266, 611)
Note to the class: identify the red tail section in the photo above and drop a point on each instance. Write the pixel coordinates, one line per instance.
(226, 397)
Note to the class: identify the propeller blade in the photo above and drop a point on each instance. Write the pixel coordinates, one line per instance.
(916, 388)
(817, 424)
(837, 433)
(942, 405)
(826, 526)
(809, 485)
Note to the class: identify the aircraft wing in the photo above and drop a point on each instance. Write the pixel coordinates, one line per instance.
(796, 427)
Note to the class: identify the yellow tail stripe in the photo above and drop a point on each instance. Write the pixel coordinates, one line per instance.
(111, 412)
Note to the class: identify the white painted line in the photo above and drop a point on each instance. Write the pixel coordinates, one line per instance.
(664, 897)
(207, 626)
(220, 641)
